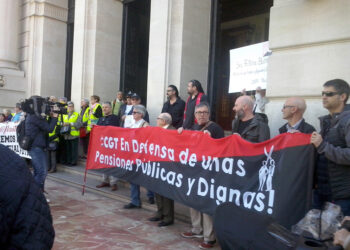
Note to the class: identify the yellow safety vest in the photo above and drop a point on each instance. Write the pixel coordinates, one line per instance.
(54, 132)
(86, 115)
(72, 119)
(93, 119)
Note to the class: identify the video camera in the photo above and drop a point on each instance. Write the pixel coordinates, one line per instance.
(42, 106)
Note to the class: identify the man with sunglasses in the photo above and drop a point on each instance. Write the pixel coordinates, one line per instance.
(293, 111)
(333, 147)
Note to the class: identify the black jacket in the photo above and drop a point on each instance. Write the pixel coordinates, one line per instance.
(38, 129)
(176, 110)
(191, 104)
(110, 120)
(257, 131)
(335, 147)
(304, 127)
(25, 218)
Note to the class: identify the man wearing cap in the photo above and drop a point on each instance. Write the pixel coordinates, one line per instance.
(125, 109)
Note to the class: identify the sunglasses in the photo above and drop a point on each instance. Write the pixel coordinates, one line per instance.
(329, 94)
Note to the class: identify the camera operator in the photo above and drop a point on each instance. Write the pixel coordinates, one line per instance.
(37, 128)
(342, 236)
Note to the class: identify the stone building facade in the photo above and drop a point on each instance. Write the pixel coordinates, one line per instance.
(309, 40)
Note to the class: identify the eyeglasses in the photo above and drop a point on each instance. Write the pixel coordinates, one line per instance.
(329, 94)
(202, 113)
(158, 118)
(287, 106)
(134, 112)
(169, 90)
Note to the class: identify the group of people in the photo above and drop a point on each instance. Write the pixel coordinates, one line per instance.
(332, 169)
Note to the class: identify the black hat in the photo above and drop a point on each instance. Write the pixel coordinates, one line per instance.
(135, 96)
(129, 94)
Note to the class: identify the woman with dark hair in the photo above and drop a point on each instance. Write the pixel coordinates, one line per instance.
(174, 106)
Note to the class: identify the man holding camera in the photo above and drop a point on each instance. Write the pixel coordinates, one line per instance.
(37, 128)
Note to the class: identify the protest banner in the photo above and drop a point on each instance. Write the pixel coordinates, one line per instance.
(8, 137)
(272, 177)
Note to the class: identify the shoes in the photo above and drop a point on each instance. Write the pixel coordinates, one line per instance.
(103, 184)
(207, 244)
(130, 206)
(52, 170)
(164, 224)
(191, 235)
(114, 187)
(155, 218)
(151, 200)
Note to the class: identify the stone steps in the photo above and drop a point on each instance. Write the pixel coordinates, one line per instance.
(74, 176)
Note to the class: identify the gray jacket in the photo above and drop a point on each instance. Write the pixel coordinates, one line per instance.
(257, 131)
(336, 148)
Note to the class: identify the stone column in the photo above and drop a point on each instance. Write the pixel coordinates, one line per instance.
(9, 22)
(178, 48)
(310, 43)
(97, 49)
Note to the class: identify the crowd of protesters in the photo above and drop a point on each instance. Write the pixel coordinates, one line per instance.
(332, 169)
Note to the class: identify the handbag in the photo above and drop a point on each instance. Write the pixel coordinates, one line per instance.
(65, 130)
(53, 146)
(82, 131)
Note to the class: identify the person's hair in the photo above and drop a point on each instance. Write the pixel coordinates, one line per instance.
(166, 117)
(18, 105)
(107, 103)
(141, 109)
(86, 101)
(3, 115)
(175, 89)
(63, 99)
(198, 85)
(203, 104)
(341, 86)
(96, 97)
(70, 103)
(120, 92)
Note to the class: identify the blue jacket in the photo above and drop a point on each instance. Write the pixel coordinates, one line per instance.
(38, 129)
(25, 218)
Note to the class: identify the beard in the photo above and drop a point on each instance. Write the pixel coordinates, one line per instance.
(240, 114)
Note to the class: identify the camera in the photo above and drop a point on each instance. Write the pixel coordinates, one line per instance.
(42, 106)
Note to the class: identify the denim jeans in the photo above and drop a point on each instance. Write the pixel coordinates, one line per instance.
(135, 194)
(39, 163)
(319, 200)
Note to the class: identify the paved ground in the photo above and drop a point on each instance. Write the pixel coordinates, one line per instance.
(95, 222)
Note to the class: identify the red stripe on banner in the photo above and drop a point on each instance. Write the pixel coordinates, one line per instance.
(110, 144)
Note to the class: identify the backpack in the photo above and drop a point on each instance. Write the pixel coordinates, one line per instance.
(24, 141)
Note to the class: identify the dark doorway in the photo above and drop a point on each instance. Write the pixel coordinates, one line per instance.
(69, 50)
(235, 23)
(134, 60)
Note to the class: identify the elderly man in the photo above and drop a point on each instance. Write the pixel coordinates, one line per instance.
(293, 111)
(333, 148)
(108, 119)
(246, 124)
(18, 113)
(117, 103)
(202, 224)
(165, 206)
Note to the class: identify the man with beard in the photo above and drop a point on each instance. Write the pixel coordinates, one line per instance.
(196, 92)
(175, 106)
(246, 124)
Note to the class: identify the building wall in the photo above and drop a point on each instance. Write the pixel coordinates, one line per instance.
(97, 49)
(178, 48)
(310, 43)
